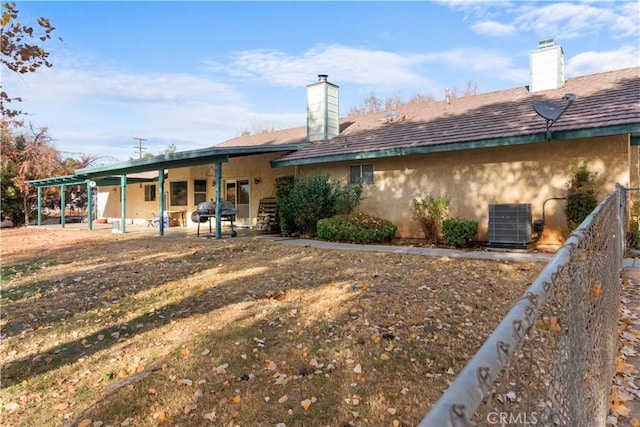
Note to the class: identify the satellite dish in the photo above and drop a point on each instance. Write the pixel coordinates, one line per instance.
(551, 112)
(547, 110)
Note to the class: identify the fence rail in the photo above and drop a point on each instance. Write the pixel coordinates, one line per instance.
(550, 361)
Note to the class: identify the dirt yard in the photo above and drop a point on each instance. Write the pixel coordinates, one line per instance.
(101, 329)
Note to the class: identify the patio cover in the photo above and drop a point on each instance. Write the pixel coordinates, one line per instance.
(116, 173)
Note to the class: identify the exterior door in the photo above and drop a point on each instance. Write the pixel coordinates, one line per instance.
(238, 193)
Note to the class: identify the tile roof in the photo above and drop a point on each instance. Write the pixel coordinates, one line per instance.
(602, 100)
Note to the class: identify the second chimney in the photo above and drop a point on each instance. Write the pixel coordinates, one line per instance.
(546, 67)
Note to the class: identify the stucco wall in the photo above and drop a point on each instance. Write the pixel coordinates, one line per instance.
(474, 179)
(257, 169)
(471, 179)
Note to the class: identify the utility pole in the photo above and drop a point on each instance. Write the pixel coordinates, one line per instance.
(140, 147)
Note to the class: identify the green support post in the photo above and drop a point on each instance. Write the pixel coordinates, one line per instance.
(161, 209)
(89, 204)
(123, 201)
(218, 199)
(63, 204)
(39, 206)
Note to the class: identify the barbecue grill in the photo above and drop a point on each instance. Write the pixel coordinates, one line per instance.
(207, 210)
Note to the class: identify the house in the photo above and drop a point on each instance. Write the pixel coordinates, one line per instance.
(482, 150)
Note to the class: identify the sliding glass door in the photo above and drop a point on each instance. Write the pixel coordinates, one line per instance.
(238, 193)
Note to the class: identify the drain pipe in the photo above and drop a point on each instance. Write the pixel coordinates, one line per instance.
(538, 224)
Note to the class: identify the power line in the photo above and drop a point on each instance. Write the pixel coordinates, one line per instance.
(140, 147)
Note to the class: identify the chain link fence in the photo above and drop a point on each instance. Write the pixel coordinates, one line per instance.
(550, 362)
(633, 211)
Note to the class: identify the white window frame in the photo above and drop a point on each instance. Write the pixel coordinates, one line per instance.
(199, 193)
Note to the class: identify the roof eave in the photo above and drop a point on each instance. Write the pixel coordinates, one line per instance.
(77, 180)
(181, 159)
(467, 145)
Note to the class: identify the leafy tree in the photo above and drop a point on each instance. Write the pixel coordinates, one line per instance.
(24, 158)
(21, 50)
(171, 148)
(9, 193)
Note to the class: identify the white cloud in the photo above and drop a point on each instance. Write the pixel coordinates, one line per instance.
(99, 110)
(354, 65)
(377, 70)
(627, 20)
(596, 62)
(562, 20)
(478, 61)
(493, 28)
(68, 83)
(566, 20)
(477, 8)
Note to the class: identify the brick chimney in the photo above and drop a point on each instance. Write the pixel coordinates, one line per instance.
(323, 120)
(546, 67)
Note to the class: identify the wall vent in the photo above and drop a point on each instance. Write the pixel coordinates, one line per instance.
(510, 225)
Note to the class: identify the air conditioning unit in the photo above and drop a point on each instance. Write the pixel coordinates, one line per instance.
(510, 226)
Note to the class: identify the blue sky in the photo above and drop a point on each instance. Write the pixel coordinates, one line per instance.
(195, 74)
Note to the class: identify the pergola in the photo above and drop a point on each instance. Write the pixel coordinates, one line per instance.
(116, 174)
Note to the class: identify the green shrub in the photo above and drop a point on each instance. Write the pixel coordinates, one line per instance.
(581, 197)
(429, 212)
(356, 228)
(458, 232)
(302, 201)
(283, 186)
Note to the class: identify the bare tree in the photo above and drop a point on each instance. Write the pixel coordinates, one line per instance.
(421, 99)
(392, 103)
(470, 89)
(373, 104)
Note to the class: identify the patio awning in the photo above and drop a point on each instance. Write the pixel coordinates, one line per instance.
(153, 169)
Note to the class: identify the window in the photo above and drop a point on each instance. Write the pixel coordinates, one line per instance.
(199, 191)
(150, 193)
(361, 173)
(178, 193)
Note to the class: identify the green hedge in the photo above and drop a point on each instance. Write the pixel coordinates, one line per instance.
(356, 228)
(458, 232)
